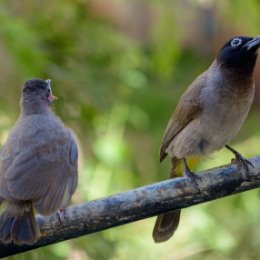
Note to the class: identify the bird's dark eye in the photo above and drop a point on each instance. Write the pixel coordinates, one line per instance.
(236, 42)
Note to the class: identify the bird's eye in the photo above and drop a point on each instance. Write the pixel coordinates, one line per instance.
(236, 42)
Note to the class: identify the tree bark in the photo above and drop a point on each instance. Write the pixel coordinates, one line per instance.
(140, 203)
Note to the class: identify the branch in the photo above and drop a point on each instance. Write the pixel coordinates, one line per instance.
(140, 203)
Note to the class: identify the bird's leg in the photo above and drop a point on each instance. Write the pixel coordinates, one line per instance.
(243, 162)
(189, 174)
(61, 215)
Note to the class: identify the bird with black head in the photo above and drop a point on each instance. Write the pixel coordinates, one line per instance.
(208, 116)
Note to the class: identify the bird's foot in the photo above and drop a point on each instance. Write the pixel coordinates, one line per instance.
(192, 177)
(242, 161)
(61, 216)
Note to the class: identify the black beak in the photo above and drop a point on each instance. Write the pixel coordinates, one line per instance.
(253, 44)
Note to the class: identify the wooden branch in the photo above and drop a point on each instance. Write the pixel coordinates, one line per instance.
(140, 203)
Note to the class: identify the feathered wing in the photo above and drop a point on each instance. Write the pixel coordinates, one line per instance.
(73, 176)
(44, 170)
(187, 109)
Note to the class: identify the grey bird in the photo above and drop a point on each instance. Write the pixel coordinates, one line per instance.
(38, 165)
(208, 116)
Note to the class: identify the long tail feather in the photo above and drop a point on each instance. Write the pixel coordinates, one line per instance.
(166, 224)
(17, 224)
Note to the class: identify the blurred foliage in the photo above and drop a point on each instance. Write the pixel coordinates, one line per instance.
(117, 91)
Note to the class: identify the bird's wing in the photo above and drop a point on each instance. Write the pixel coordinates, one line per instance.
(66, 181)
(41, 166)
(188, 108)
(73, 178)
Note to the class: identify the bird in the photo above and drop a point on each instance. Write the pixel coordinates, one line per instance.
(38, 165)
(208, 116)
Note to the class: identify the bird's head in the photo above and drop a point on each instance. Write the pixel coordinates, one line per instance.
(36, 95)
(239, 54)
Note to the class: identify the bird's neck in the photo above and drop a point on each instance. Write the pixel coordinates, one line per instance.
(237, 71)
(238, 78)
(233, 75)
(30, 107)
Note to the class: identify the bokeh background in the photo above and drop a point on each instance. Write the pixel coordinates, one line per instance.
(118, 68)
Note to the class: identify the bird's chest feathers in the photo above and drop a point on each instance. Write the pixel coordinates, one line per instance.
(226, 106)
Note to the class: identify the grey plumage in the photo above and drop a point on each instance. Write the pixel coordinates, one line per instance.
(38, 165)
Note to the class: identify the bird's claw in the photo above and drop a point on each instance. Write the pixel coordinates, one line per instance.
(248, 162)
(192, 177)
(61, 215)
(243, 162)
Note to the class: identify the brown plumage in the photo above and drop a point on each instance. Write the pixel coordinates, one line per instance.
(38, 165)
(167, 223)
(188, 108)
(209, 114)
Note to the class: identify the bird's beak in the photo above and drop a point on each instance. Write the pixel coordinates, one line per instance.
(253, 44)
(51, 97)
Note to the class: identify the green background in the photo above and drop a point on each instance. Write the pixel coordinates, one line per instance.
(118, 69)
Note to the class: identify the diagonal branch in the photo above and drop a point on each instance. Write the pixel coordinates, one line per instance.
(140, 203)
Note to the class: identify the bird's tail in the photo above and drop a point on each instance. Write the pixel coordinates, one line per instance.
(167, 223)
(17, 224)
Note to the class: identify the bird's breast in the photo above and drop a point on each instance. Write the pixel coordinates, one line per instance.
(224, 111)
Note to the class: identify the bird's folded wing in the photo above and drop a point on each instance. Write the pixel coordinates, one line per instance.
(188, 108)
(73, 177)
(44, 172)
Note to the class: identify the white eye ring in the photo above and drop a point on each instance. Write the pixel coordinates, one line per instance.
(236, 42)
